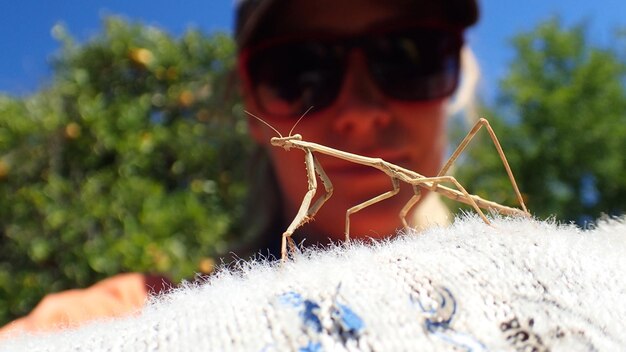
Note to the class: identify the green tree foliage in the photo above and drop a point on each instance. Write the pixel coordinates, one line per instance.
(130, 160)
(562, 121)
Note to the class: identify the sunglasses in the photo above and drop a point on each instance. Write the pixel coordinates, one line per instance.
(288, 76)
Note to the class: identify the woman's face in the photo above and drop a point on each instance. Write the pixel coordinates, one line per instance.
(362, 120)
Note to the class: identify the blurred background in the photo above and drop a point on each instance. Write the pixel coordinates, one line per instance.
(123, 144)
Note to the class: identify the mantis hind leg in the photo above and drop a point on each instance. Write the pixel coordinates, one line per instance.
(470, 135)
(434, 181)
(396, 188)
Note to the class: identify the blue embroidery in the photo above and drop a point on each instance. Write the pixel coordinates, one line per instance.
(311, 347)
(310, 315)
(349, 321)
(291, 298)
(308, 310)
(439, 318)
(346, 324)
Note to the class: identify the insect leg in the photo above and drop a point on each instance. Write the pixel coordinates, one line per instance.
(301, 216)
(396, 188)
(417, 194)
(440, 179)
(483, 122)
(328, 187)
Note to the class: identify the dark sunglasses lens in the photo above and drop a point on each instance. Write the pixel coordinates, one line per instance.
(289, 79)
(416, 65)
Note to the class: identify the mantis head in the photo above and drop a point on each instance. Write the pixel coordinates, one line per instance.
(285, 142)
(280, 141)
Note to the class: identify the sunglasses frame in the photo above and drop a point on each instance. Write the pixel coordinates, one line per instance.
(247, 54)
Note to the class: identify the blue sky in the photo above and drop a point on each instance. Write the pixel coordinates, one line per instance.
(26, 44)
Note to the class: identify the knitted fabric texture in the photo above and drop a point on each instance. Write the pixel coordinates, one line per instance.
(520, 284)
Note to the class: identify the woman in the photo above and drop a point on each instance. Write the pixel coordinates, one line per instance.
(379, 76)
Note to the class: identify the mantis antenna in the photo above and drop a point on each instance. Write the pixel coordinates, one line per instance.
(275, 130)
(265, 123)
(295, 124)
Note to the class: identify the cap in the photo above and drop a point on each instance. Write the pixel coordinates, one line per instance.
(251, 14)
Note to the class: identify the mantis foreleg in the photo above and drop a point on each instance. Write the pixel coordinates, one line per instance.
(328, 187)
(306, 213)
(301, 216)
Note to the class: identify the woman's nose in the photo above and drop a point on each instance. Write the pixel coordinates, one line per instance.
(362, 109)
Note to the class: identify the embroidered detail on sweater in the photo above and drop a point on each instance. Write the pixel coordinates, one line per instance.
(337, 321)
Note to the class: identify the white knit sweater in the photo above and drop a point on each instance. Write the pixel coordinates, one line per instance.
(522, 285)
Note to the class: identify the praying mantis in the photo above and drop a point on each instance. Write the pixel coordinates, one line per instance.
(396, 173)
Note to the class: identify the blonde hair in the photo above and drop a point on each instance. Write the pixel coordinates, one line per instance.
(465, 99)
